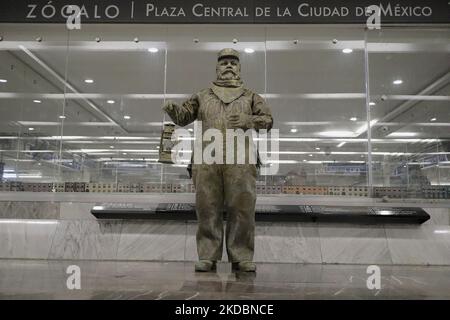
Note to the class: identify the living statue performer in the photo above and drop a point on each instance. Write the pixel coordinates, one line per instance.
(227, 104)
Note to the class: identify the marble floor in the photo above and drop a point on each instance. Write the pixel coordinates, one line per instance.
(46, 279)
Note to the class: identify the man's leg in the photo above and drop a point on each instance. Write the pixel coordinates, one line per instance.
(240, 199)
(209, 207)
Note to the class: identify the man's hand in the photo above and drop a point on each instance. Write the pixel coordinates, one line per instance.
(240, 121)
(169, 106)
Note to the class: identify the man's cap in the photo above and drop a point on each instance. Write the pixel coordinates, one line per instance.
(227, 53)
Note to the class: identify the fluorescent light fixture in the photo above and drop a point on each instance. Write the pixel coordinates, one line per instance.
(3, 80)
(347, 50)
(110, 101)
(190, 129)
(153, 50)
(89, 81)
(23, 176)
(293, 130)
(341, 144)
(402, 134)
(282, 161)
(124, 153)
(127, 117)
(37, 101)
(310, 155)
(317, 148)
(337, 133)
(31, 129)
(62, 117)
(249, 50)
(23, 221)
(363, 128)
(433, 119)
(111, 147)
(371, 103)
(441, 231)
(353, 118)
(398, 81)
(98, 207)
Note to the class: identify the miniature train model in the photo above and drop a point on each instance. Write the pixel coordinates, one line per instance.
(398, 192)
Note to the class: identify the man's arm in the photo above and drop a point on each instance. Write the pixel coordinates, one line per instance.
(185, 113)
(262, 117)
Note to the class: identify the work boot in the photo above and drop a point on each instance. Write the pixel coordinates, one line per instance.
(244, 266)
(205, 266)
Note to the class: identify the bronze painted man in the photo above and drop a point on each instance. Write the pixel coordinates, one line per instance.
(227, 104)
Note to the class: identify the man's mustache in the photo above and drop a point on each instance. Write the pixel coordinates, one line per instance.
(228, 70)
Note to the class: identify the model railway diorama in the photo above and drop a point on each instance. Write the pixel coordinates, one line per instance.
(395, 192)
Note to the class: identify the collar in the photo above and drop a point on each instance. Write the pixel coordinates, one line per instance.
(227, 94)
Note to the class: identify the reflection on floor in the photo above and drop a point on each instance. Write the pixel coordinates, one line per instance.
(40, 279)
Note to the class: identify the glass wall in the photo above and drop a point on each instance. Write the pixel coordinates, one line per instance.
(81, 110)
(410, 110)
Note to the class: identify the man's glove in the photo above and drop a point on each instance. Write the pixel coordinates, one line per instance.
(240, 121)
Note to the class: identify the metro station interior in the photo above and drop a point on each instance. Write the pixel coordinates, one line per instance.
(363, 119)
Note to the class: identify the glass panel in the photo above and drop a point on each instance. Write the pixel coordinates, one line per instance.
(31, 103)
(115, 99)
(315, 79)
(410, 95)
(104, 98)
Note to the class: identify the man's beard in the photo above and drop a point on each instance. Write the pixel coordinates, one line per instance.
(228, 75)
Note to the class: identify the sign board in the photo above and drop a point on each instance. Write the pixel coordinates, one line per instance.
(226, 11)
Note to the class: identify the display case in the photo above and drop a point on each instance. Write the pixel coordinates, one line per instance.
(360, 113)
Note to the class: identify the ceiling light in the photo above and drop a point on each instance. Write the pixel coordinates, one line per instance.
(62, 117)
(304, 160)
(337, 133)
(403, 134)
(310, 155)
(124, 153)
(347, 50)
(353, 119)
(190, 129)
(372, 103)
(110, 101)
(126, 117)
(341, 144)
(363, 128)
(293, 130)
(37, 101)
(31, 129)
(433, 119)
(89, 81)
(3, 80)
(112, 147)
(153, 50)
(398, 81)
(441, 231)
(249, 50)
(317, 148)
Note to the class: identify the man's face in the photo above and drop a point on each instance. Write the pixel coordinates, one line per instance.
(228, 69)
